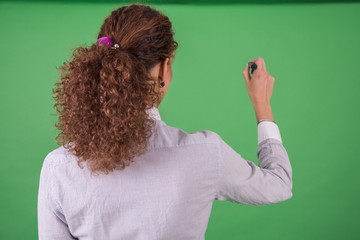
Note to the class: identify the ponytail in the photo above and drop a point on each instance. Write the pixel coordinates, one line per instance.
(103, 93)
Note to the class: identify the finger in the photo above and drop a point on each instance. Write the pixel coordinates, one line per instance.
(259, 62)
(246, 74)
(262, 63)
(257, 65)
(253, 60)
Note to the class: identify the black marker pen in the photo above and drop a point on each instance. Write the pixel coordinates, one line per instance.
(252, 66)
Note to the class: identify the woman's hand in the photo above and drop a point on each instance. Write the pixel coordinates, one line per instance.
(260, 85)
(260, 88)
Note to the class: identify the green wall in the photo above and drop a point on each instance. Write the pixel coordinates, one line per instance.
(312, 50)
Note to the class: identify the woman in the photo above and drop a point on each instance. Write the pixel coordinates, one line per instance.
(122, 173)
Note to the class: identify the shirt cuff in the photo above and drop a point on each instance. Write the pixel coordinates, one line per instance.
(267, 129)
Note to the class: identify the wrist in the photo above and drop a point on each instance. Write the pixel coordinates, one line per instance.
(263, 111)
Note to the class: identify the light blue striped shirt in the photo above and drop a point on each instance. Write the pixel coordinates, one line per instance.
(167, 194)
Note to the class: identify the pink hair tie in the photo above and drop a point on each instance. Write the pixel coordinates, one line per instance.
(107, 41)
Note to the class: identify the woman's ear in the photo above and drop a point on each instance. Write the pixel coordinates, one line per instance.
(164, 68)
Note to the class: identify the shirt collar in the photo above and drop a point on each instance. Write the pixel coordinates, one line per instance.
(153, 113)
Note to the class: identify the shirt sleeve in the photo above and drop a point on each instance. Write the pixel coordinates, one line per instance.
(242, 181)
(51, 222)
(267, 129)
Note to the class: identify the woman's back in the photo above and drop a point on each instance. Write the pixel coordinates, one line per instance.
(166, 194)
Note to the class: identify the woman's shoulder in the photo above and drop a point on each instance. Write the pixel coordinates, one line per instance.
(58, 156)
(171, 135)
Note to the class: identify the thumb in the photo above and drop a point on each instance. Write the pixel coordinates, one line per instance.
(246, 74)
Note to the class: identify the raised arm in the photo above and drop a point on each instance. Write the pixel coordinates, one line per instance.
(240, 180)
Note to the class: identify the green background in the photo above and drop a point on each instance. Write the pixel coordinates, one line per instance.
(312, 50)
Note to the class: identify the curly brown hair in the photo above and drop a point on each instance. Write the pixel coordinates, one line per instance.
(104, 93)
